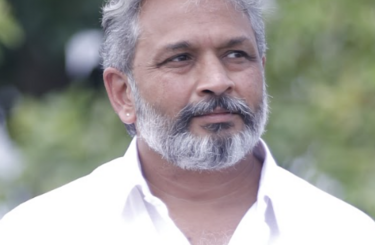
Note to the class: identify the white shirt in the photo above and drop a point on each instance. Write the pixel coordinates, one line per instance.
(113, 205)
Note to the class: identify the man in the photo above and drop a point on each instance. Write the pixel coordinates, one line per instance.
(187, 79)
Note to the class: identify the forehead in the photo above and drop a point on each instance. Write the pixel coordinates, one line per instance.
(188, 6)
(167, 20)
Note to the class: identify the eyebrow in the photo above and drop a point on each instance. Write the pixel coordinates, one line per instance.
(178, 46)
(235, 41)
(187, 45)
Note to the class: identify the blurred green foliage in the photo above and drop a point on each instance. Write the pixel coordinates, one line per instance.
(65, 135)
(11, 34)
(321, 76)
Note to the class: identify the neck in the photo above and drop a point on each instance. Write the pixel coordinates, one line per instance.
(207, 202)
(170, 182)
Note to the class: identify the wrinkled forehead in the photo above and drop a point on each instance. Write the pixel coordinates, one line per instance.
(207, 5)
(153, 10)
(187, 17)
(191, 6)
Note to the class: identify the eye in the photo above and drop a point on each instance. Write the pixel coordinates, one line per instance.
(179, 58)
(237, 54)
(176, 61)
(239, 57)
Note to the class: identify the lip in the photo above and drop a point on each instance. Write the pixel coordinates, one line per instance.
(217, 116)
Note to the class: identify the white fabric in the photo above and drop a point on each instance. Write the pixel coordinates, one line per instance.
(113, 205)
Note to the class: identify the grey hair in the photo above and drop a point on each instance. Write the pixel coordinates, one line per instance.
(121, 32)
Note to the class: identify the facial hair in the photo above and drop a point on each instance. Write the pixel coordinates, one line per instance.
(172, 139)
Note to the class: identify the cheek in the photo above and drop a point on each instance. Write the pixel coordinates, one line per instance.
(167, 93)
(175, 93)
(250, 87)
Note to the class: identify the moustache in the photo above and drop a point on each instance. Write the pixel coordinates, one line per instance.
(230, 104)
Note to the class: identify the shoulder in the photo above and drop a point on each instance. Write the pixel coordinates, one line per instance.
(305, 210)
(71, 194)
(65, 208)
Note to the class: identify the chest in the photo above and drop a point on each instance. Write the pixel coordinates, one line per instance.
(152, 222)
(207, 227)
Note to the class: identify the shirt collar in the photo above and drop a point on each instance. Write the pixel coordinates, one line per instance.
(268, 175)
(128, 175)
(115, 180)
(268, 190)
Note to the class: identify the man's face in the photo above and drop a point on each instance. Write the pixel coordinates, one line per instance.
(199, 76)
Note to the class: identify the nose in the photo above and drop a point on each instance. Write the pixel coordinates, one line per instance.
(213, 78)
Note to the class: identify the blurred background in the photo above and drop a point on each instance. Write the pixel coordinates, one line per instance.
(56, 123)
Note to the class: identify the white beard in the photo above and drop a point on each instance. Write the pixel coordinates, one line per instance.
(172, 139)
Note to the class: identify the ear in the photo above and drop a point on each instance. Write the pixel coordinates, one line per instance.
(119, 93)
